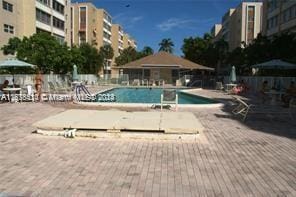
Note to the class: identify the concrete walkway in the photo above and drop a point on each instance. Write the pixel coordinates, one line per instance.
(116, 121)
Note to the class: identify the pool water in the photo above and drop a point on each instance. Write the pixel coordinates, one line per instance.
(146, 95)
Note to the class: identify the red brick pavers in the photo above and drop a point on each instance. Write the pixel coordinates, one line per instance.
(230, 158)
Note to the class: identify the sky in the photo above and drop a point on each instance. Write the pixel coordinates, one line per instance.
(150, 21)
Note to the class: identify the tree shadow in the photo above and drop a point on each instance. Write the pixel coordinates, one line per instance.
(279, 124)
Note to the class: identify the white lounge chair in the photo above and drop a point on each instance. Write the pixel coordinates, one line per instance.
(145, 82)
(242, 109)
(169, 97)
(136, 82)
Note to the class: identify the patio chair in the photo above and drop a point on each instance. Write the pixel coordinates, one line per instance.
(242, 109)
(169, 97)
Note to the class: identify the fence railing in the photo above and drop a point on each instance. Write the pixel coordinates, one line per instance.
(254, 82)
(28, 79)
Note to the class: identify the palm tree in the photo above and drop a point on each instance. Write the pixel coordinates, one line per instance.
(107, 53)
(166, 45)
(147, 51)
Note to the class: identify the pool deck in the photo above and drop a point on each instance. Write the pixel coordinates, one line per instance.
(229, 158)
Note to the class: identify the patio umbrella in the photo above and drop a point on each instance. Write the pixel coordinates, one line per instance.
(233, 75)
(74, 74)
(14, 63)
(275, 64)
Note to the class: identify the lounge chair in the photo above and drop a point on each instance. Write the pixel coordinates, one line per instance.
(151, 82)
(145, 82)
(242, 109)
(62, 87)
(136, 82)
(52, 88)
(169, 97)
(161, 82)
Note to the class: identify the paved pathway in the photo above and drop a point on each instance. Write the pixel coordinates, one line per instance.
(257, 158)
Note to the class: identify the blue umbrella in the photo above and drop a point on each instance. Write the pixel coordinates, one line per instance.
(74, 74)
(233, 75)
(14, 63)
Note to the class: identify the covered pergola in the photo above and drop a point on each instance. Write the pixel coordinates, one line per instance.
(160, 66)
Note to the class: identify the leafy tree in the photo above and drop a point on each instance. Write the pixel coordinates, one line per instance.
(92, 60)
(48, 54)
(221, 47)
(106, 53)
(44, 51)
(11, 47)
(166, 45)
(146, 51)
(128, 54)
(200, 50)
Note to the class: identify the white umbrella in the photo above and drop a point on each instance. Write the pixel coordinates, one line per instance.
(232, 75)
(275, 64)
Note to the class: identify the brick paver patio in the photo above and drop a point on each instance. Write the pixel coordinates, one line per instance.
(230, 158)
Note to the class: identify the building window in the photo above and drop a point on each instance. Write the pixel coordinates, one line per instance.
(106, 26)
(251, 21)
(272, 5)
(58, 7)
(106, 43)
(106, 35)
(60, 39)
(58, 23)
(8, 28)
(107, 17)
(42, 16)
(82, 37)
(82, 11)
(7, 6)
(45, 2)
(42, 31)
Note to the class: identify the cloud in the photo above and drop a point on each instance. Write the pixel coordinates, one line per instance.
(126, 20)
(172, 23)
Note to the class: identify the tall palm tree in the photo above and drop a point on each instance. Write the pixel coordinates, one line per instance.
(166, 45)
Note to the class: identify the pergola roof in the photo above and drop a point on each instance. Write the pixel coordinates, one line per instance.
(163, 60)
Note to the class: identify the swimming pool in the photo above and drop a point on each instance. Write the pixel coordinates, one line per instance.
(147, 95)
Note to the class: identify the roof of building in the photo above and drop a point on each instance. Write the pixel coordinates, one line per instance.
(163, 59)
